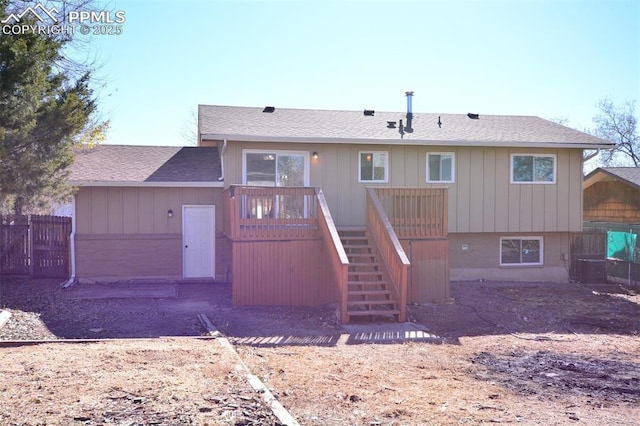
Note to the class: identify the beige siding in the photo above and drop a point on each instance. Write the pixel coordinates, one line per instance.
(124, 232)
(482, 199)
(481, 260)
(115, 210)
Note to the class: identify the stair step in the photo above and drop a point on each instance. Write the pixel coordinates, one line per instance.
(376, 273)
(370, 302)
(357, 246)
(342, 229)
(369, 293)
(381, 312)
(364, 264)
(368, 282)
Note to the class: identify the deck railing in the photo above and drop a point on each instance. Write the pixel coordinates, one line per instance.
(271, 213)
(335, 250)
(394, 259)
(415, 212)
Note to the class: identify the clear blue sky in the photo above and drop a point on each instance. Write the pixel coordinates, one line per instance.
(550, 59)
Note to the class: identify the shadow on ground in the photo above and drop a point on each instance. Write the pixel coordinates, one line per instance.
(157, 309)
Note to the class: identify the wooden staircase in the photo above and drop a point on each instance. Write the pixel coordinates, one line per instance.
(369, 293)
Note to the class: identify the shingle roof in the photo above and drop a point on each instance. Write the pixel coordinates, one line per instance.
(130, 164)
(628, 175)
(307, 125)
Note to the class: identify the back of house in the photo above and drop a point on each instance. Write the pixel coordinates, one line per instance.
(453, 196)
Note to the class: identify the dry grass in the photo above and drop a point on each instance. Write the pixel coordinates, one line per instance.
(167, 381)
(422, 383)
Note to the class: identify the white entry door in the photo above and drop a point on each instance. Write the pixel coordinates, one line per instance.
(198, 241)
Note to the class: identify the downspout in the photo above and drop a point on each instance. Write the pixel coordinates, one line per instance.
(72, 244)
(224, 149)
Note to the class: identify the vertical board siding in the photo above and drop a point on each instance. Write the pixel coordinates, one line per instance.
(429, 272)
(575, 191)
(477, 189)
(115, 212)
(526, 208)
(143, 210)
(131, 218)
(285, 273)
(98, 206)
(489, 204)
(481, 199)
(502, 186)
(562, 201)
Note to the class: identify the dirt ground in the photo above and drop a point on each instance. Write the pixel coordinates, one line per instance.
(527, 353)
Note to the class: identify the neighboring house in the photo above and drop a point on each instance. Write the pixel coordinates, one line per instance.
(441, 196)
(612, 194)
(612, 203)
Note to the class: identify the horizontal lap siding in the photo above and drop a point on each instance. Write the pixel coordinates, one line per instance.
(612, 202)
(286, 273)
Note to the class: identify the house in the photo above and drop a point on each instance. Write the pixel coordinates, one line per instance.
(370, 209)
(128, 210)
(612, 194)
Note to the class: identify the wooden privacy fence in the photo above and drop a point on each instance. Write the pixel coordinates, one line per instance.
(588, 245)
(35, 245)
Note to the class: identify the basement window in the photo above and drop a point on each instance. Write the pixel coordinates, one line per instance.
(523, 251)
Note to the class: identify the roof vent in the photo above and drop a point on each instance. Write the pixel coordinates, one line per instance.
(369, 112)
(269, 109)
(473, 116)
(391, 124)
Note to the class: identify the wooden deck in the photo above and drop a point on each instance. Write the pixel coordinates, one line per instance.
(286, 250)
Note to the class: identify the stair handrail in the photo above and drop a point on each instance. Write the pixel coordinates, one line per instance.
(337, 254)
(394, 259)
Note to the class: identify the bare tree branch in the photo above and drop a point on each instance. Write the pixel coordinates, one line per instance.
(618, 124)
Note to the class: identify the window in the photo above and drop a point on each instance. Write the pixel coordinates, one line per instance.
(275, 168)
(441, 167)
(521, 251)
(262, 168)
(374, 167)
(527, 168)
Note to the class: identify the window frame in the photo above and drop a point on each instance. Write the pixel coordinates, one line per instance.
(386, 166)
(534, 182)
(453, 167)
(538, 238)
(277, 152)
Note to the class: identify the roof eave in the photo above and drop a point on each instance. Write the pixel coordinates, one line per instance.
(600, 174)
(395, 141)
(103, 183)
